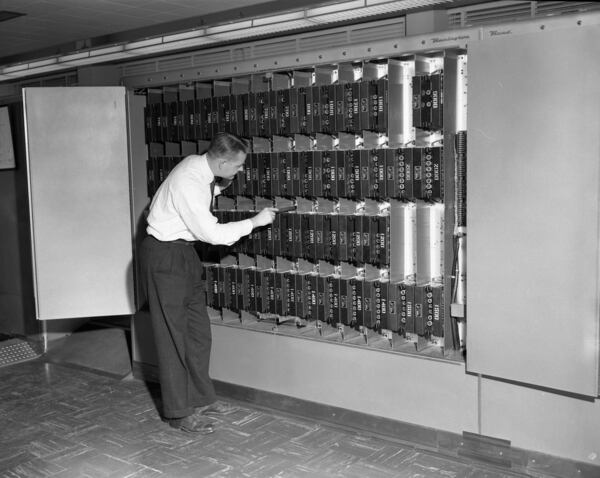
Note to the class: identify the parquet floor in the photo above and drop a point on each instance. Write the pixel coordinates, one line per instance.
(65, 422)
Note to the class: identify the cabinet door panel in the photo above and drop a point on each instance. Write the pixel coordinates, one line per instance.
(533, 208)
(78, 169)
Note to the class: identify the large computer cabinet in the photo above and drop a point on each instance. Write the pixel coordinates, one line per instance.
(530, 238)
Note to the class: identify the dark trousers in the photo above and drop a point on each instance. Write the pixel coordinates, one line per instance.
(172, 276)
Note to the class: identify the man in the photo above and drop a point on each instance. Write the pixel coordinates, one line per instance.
(180, 217)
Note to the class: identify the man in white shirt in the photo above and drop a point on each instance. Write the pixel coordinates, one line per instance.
(180, 219)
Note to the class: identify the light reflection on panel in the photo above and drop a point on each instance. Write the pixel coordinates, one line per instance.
(403, 249)
(430, 242)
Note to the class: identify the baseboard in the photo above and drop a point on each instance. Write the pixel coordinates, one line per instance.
(490, 451)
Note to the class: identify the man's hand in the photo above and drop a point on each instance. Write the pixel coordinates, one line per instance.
(264, 217)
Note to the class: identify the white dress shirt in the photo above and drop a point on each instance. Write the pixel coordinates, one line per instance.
(180, 208)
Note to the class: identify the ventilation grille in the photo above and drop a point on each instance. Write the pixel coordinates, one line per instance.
(212, 58)
(499, 14)
(319, 42)
(175, 63)
(455, 20)
(306, 42)
(558, 8)
(274, 48)
(507, 11)
(139, 69)
(241, 54)
(15, 351)
(382, 32)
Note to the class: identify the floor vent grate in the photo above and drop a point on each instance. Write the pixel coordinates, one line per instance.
(15, 351)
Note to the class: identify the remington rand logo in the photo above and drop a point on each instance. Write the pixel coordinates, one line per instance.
(443, 39)
(494, 33)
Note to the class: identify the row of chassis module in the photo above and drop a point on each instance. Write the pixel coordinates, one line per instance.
(322, 148)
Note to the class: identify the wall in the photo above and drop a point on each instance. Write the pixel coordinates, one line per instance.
(17, 308)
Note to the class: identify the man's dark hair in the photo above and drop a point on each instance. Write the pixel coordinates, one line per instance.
(227, 145)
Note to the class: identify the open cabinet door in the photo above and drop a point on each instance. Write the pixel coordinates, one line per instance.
(79, 194)
(533, 208)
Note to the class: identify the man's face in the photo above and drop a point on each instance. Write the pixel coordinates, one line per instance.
(230, 167)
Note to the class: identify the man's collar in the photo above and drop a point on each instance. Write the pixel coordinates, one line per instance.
(206, 170)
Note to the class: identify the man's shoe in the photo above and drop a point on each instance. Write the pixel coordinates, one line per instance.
(217, 408)
(195, 423)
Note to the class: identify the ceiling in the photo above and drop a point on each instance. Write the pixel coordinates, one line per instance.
(50, 27)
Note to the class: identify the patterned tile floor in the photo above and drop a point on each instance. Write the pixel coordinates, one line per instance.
(65, 422)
